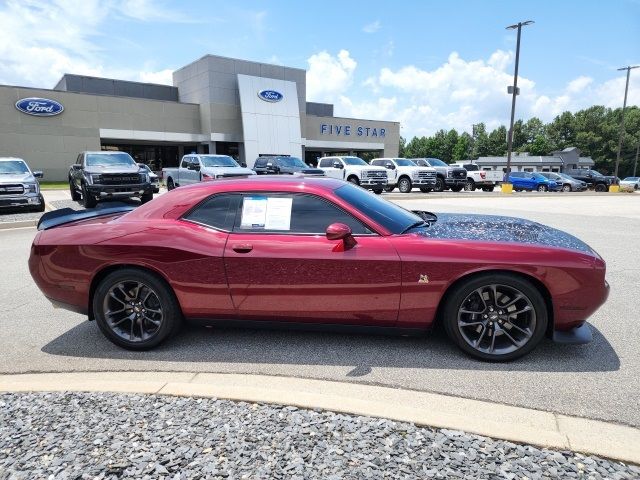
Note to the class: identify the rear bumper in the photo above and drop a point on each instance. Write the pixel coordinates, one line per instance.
(576, 336)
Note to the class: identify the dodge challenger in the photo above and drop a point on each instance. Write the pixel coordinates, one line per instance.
(316, 253)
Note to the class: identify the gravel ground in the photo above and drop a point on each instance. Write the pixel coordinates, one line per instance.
(19, 215)
(66, 204)
(99, 435)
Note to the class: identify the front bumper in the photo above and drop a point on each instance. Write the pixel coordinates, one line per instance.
(16, 201)
(424, 182)
(120, 191)
(455, 182)
(373, 184)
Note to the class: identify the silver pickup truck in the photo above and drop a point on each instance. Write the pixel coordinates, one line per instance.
(196, 168)
(19, 186)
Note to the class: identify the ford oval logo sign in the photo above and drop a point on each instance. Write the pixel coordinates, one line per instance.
(40, 107)
(270, 95)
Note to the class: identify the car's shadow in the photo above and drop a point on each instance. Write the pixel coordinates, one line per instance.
(362, 352)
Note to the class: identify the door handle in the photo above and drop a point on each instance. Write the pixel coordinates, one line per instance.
(242, 247)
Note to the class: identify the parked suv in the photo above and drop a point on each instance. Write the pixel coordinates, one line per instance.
(476, 178)
(531, 181)
(448, 176)
(283, 165)
(19, 186)
(566, 182)
(106, 175)
(405, 174)
(599, 182)
(355, 170)
(197, 167)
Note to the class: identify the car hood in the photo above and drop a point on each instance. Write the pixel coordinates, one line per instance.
(494, 228)
(112, 169)
(17, 178)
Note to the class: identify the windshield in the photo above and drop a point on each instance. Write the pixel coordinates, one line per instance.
(596, 174)
(353, 161)
(403, 162)
(435, 162)
(109, 159)
(218, 161)
(394, 218)
(291, 162)
(13, 167)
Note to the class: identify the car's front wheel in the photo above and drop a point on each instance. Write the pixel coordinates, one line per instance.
(87, 200)
(147, 197)
(496, 316)
(439, 185)
(170, 184)
(542, 188)
(470, 185)
(404, 185)
(566, 188)
(135, 309)
(75, 196)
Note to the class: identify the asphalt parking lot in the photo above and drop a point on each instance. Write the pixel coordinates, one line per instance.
(600, 380)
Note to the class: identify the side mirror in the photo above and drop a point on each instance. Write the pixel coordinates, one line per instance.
(338, 231)
(337, 165)
(196, 168)
(76, 166)
(38, 174)
(391, 166)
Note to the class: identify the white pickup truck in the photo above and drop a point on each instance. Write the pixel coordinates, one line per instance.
(196, 168)
(477, 178)
(405, 174)
(355, 170)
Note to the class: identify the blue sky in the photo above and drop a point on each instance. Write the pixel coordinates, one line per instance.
(429, 65)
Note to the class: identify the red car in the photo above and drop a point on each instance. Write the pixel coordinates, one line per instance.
(318, 252)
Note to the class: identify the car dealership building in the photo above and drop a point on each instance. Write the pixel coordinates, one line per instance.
(216, 105)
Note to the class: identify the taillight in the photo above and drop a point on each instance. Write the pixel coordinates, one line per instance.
(483, 175)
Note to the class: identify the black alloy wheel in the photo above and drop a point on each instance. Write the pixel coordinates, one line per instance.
(135, 309)
(542, 188)
(601, 187)
(456, 188)
(439, 185)
(404, 185)
(87, 200)
(170, 184)
(497, 317)
(566, 187)
(470, 186)
(353, 179)
(75, 196)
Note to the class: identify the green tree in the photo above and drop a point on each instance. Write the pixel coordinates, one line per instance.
(539, 146)
(481, 144)
(498, 141)
(402, 147)
(519, 136)
(561, 132)
(531, 129)
(462, 149)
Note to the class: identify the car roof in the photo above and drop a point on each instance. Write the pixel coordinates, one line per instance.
(2, 159)
(105, 152)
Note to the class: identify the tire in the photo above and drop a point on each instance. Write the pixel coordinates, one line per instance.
(425, 189)
(147, 197)
(404, 185)
(389, 189)
(542, 188)
(600, 187)
(75, 196)
(353, 179)
(377, 191)
(464, 305)
(170, 184)
(566, 188)
(470, 185)
(153, 297)
(439, 185)
(41, 207)
(487, 189)
(87, 200)
(456, 188)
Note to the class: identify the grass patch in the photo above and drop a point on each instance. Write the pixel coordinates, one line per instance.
(54, 185)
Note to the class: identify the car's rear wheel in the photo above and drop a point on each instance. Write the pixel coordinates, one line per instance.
(170, 184)
(353, 179)
(542, 188)
(75, 196)
(87, 200)
(456, 188)
(496, 317)
(470, 185)
(404, 185)
(135, 309)
(487, 189)
(601, 187)
(566, 188)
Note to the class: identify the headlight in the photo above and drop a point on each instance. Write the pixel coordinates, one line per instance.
(449, 173)
(96, 178)
(30, 188)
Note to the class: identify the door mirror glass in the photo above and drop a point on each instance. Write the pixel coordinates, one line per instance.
(77, 166)
(38, 174)
(338, 231)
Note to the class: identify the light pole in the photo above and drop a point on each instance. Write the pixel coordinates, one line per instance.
(518, 26)
(624, 106)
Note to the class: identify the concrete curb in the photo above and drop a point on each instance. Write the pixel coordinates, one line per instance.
(499, 421)
(20, 224)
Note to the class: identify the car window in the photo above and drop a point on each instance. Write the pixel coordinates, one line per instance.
(326, 162)
(185, 162)
(377, 162)
(218, 211)
(292, 214)
(516, 174)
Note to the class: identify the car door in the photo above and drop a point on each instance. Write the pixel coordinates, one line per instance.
(281, 267)
(328, 165)
(516, 179)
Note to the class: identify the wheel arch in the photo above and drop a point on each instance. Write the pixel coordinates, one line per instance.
(353, 175)
(108, 269)
(537, 283)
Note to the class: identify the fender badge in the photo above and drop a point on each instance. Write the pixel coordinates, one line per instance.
(423, 279)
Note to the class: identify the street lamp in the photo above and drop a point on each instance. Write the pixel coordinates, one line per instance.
(514, 93)
(624, 106)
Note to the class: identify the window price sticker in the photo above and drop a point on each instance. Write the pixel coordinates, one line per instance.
(269, 213)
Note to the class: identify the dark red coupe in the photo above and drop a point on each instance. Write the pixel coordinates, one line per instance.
(317, 252)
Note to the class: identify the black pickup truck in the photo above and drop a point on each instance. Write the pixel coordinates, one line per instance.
(281, 165)
(599, 182)
(108, 176)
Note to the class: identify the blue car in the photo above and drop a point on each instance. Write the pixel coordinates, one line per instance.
(532, 181)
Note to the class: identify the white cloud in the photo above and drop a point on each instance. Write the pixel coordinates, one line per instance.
(328, 76)
(164, 77)
(40, 41)
(372, 27)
